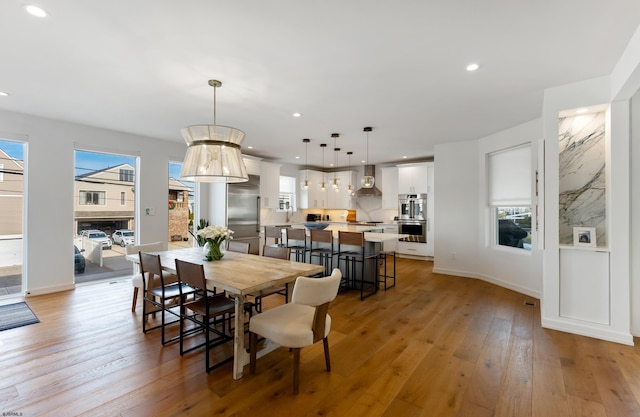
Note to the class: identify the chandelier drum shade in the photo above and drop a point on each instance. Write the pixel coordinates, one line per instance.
(213, 153)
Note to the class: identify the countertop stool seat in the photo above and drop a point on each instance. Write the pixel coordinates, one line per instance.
(386, 277)
(351, 250)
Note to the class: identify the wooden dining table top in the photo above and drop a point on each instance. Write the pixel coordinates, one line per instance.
(239, 273)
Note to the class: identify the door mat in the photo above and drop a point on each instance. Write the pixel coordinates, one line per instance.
(16, 315)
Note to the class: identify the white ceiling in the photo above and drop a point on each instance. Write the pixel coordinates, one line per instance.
(142, 66)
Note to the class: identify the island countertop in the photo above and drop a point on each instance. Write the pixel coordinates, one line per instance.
(371, 233)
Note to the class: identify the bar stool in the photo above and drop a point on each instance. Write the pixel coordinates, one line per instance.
(275, 233)
(324, 249)
(353, 255)
(297, 242)
(384, 255)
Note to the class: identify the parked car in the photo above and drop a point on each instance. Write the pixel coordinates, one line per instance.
(122, 237)
(79, 261)
(98, 236)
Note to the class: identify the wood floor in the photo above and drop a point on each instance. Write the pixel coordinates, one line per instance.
(435, 345)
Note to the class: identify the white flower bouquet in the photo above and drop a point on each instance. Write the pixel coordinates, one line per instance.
(214, 236)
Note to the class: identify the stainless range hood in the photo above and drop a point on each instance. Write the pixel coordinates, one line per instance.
(369, 192)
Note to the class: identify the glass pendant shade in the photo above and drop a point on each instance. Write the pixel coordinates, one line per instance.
(367, 181)
(304, 184)
(213, 154)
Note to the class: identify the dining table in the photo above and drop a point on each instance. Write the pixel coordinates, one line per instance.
(238, 274)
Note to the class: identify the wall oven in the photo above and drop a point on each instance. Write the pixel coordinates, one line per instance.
(412, 206)
(416, 229)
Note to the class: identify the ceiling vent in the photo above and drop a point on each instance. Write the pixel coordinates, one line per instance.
(369, 192)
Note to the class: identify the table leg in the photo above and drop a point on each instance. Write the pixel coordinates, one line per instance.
(240, 355)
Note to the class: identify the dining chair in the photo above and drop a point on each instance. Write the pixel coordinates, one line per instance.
(238, 246)
(158, 295)
(206, 311)
(296, 240)
(351, 250)
(136, 280)
(278, 253)
(302, 322)
(323, 249)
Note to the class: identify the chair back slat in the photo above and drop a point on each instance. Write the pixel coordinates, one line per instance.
(276, 252)
(191, 274)
(296, 234)
(150, 265)
(351, 238)
(321, 236)
(237, 246)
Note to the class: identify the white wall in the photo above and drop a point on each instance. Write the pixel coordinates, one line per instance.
(635, 220)
(463, 233)
(456, 208)
(48, 260)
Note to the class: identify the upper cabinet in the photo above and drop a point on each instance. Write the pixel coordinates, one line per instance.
(313, 197)
(414, 178)
(389, 186)
(269, 185)
(340, 199)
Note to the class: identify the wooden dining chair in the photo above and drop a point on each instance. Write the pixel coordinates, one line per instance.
(158, 295)
(296, 240)
(302, 322)
(277, 252)
(136, 279)
(205, 311)
(238, 246)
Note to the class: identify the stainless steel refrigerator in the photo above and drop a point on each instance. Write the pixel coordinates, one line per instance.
(243, 211)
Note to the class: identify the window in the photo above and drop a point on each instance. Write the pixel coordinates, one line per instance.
(287, 196)
(126, 175)
(510, 179)
(123, 199)
(92, 198)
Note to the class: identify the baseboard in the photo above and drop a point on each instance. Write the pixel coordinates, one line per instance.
(517, 288)
(49, 290)
(584, 329)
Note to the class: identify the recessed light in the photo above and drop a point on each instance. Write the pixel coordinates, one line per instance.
(35, 11)
(3, 94)
(363, 161)
(472, 67)
(404, 157)
(297, 157)
(582, 110)
(297, 114)
(250, 147)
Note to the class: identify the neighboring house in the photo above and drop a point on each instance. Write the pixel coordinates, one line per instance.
(11, 195)
(179, 210)
(104, 199)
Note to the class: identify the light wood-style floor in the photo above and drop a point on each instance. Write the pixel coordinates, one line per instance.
(435, 345)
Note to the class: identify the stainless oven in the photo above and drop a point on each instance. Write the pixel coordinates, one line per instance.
(416, 229)
(412, 206)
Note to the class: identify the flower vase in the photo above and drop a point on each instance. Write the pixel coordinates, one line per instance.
(213, 251)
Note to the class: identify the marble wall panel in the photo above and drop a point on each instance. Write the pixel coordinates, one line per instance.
(582, 176)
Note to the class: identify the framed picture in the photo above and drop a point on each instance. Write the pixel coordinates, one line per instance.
(584, 236)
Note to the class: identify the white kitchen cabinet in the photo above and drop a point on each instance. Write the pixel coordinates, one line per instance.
(313, 197)
(269, 185)
(414, 178)
(389, 188)
(340, 199)
(413, 249)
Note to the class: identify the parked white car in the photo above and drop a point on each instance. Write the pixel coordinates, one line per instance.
(122, 237)
(98, 236)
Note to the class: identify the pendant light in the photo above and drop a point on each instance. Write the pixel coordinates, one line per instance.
(335, 181)
(349, 186)
(368, 181)
(213, 153)
(323, 185)
(305, 183)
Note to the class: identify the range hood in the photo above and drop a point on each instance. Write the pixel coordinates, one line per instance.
(369, 192)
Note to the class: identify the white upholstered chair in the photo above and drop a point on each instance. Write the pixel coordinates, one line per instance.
(136, 279)
(302, 322)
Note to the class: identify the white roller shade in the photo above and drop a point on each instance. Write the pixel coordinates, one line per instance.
(510, 177)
